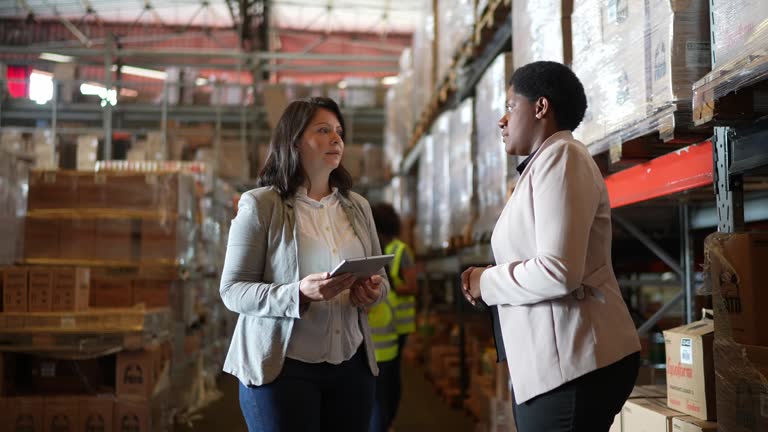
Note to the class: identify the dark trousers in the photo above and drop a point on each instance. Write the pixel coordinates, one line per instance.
(383, 408)
(312, 397)
(397, 390)
(586, 404)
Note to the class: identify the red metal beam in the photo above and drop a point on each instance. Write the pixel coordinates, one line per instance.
(681, 170)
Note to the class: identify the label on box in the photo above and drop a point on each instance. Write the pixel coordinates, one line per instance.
(686, 351)
(698, 54)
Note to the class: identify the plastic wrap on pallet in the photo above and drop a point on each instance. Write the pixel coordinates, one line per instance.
(455, 25)
(739, 30)
(423, 40)
(495, 168)
(87, 152)
(402, 196)
(637, 62)
(542, 30)
(399, 113)
(741, 371)
(14, 182)
(233, 161)
(441, 219)
(425, 203)
(393, 145)
(461, 167)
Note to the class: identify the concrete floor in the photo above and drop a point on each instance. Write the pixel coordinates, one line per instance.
(421, 410)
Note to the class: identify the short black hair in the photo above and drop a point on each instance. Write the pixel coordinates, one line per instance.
(558, 84)
(283, 169)
(386, 219)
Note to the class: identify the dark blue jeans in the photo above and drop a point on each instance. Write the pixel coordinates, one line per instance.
(383, 408)
(312, 397)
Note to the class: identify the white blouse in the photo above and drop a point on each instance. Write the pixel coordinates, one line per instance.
(329, 330)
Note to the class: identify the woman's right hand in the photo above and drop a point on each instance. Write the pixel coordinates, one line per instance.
(321, 287)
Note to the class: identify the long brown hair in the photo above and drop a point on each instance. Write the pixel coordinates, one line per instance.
(283, 169)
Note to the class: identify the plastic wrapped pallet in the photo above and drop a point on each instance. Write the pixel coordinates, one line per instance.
(679, 51)
(461, 167)
(739, 29)
(14, 181)
(87, 152)
(425, 204)
(542, 31)
(455, 25)
(735, 281)
(423, 44)
(441, 134)
(495, 168)
(587, 41)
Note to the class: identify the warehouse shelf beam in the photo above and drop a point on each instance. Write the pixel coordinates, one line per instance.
(755, 210)
(729, 188)
(681, 170)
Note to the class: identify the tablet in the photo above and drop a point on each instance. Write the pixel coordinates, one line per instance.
(362, 267)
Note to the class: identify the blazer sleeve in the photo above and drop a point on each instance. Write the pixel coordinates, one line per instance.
(242, 287)
(365, 207)
(565, 201)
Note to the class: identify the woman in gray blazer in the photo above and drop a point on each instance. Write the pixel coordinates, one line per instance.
(570, 345)
(302, 347)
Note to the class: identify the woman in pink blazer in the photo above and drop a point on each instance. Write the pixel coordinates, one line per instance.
(570, 344)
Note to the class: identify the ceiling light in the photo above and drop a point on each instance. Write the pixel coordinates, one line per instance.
(40, 86)
(390, 80)
(342, 84)
(146, 73)
(57, 58)
(201, 81)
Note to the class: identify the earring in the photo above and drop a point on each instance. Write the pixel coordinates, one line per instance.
(538, 116)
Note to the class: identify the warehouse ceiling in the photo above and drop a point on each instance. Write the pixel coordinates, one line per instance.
(370, 16)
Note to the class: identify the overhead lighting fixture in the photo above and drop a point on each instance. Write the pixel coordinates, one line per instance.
(142, 72)
(342, 85)
(107, 96)
(201, 81)
(390, 80)
(40, 86)
(58, 58)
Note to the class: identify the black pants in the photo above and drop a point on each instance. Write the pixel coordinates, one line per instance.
(586, 404)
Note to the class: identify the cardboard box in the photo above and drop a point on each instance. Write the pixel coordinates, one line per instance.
(742, 392)
(111, 292)
(48, 376)
(60, 414)
(690, 369)
(743, 292)
(159, 240)
(132, 416)
(117, 239)
(738, 29)
(71, 290)
(41, 238)
(96, 414)
(25, 414)
(153, 293)
(77, 239)
(692, 424)
(137, 372)
(136, 191)
(649, 391)
(647, 415)
(616, 425)
(40, 288)
(51, 190)
(15, 289)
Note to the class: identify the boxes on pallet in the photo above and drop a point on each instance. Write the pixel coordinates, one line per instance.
(60, 414)
(738, 28)
(690, 369)
(742, 392)
(424, 80)
(15, 298)
(25, 414)
(152, 293)
(77, 239)
(41, 238)
(679, 51)
(71, 289)
(110, 292)
(531, 19)
(132, 415)
(96, 413)
(455, 25)
(441, 134)
(461, 168)
(87, 152)
(115, 240)
(40, 288)
(497, 168)
(51, 190)
(425, 204)
(647, 415)
(641, 392)
(692, 424)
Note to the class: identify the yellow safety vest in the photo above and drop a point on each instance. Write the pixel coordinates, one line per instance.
(382, 321)
(405, 306)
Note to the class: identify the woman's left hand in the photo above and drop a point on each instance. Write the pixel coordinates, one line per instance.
(470, 284)
(365, 292)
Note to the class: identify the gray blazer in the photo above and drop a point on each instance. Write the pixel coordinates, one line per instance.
(260, 281)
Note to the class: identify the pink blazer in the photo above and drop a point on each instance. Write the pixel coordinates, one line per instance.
(560, 307)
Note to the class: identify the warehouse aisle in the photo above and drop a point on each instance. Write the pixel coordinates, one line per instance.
(422, 411)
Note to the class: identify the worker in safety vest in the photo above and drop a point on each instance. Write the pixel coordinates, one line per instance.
(381, 318)
(402, 278)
